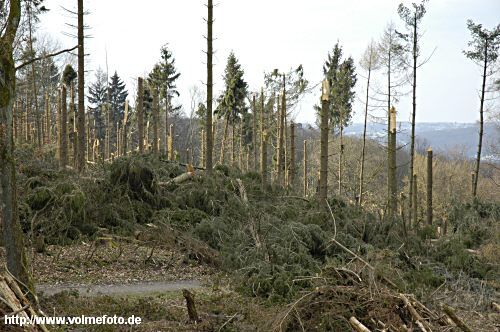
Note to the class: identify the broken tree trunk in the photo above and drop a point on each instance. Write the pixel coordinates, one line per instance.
(191, 307)
(140, 113)
(451, 313)
(13, 298)
(356, 324)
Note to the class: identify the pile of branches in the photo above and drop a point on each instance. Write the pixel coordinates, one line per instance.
(360, 298)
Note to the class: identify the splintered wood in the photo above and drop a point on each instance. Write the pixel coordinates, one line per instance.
(14, 302)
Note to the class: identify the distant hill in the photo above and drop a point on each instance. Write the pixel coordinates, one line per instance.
(441, 136)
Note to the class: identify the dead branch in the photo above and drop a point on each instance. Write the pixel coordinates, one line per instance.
(356, 324)
(451, 313)
(24, 64)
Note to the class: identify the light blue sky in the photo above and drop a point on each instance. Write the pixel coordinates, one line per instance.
(267, 34)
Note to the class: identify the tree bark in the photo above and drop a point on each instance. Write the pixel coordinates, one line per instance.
(291, 173)
(64, 128)
(254, 133)
(17, 262)
(80, 156)
(140, 113)
(281, 135)
(125, 130)
(413, 115)
(481, 122)
(429, 186)
(341, 154)
(304, 175)
(323, 172)
(156, 117)
(415, 201)
(223, 143)
(263, 141)
(392, 203)
(362, 171)
(209, 149)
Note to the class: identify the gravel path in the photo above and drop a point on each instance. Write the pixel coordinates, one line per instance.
(145, 287)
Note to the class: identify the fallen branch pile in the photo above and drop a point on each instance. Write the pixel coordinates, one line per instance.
(343, 303)
(13, 302)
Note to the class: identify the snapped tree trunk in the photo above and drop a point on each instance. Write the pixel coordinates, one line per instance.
(323, 170)
(140, 113)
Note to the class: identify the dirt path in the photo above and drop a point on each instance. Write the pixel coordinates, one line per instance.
(144, 287)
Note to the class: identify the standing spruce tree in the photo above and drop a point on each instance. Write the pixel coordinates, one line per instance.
(412, 18)
(484, 52)
(117, 97)
(163, 77)
(231, 103)
(13, 237)
(97, 97)
(342, 79)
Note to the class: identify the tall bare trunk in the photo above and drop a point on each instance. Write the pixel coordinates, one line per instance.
(254, 105)
(80, 120)
(156, 117)
(48, 116)
(413, 115)
(263, 141)
(209, 149)
(281, 139)
(362, 171)
(481, 123)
